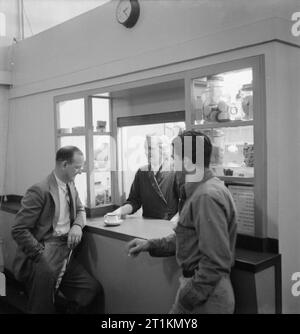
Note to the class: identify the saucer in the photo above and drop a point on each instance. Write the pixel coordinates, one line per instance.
(106, 223)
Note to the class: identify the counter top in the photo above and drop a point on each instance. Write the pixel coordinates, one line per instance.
(131, 227)
(138, 227)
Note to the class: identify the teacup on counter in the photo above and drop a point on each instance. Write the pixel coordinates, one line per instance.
(111, 219)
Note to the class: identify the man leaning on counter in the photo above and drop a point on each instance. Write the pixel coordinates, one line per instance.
(156, 188)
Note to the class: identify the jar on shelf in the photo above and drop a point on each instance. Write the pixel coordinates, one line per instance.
(214, 89)
(248, 152)
(199, 97)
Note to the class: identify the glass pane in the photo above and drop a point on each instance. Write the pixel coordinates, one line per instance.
(100, 114)
(102, 169)
(133, 146)
(102, 153)
(102, 188)
(71, 116)
(78, 141)
(80, 182)
(233, 151)
(223, 97)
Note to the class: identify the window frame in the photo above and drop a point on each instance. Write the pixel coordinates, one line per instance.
(88, 134)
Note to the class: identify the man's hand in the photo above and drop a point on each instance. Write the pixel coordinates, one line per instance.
(136, 246)
(74, 236)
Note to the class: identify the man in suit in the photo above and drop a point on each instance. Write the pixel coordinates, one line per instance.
(47, 229)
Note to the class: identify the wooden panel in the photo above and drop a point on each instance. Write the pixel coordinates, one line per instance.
(176, 116)
(132, 285)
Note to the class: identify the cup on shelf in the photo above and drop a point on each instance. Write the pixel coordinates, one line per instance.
(64, 130)
(228, 172)
(78, 129)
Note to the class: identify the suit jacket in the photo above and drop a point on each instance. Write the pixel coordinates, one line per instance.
(35, 220)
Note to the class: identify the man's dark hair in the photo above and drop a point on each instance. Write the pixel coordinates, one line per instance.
(207, 145)
(66, 153)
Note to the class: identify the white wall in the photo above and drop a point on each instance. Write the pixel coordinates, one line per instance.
(95, 46)
(3, 135)
(288, 160)
(31, 151)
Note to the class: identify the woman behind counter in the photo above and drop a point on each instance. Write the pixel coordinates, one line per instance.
(156, 187)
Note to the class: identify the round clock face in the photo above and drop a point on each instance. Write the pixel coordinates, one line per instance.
(124, 10)
(128, 12)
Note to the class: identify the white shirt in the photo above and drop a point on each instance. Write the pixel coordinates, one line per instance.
(63, 224)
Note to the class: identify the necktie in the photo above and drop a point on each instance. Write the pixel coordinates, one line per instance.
(70, 202)
(67, 260)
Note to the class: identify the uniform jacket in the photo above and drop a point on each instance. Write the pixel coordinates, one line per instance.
(204, 238)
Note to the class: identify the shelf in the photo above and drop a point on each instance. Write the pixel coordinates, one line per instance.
(100, 170)
(95, 133)
(71, 134)
(229, 124)
(237, 179)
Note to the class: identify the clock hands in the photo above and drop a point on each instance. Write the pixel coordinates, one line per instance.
(125, 11)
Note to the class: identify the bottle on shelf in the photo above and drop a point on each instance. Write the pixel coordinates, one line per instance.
(107, 197)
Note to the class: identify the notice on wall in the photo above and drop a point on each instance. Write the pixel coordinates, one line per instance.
(244, 200)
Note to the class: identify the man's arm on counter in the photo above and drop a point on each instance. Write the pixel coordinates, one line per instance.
(163, 247)
(156, 247)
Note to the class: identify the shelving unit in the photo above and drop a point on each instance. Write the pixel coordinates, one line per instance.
(239, 140)
(238, 134)
(95, 183)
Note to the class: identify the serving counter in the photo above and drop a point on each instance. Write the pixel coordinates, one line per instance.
(146, 284)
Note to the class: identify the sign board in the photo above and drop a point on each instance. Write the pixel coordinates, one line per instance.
(2, 285)
(244, 200)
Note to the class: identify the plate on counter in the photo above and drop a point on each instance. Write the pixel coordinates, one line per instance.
(107, 223)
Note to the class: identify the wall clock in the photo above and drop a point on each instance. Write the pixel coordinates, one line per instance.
(128, 12)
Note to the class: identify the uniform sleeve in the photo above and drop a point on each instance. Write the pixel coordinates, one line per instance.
(214, 246)
(25, 220)
(163, 247)
(134, 198)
